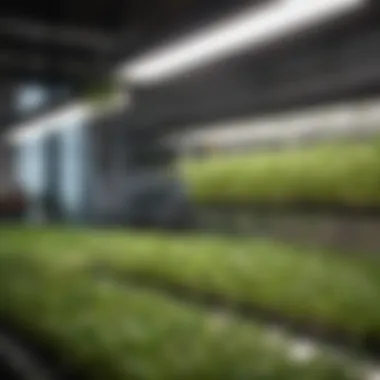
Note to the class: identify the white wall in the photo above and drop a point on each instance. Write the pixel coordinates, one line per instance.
(30, 169)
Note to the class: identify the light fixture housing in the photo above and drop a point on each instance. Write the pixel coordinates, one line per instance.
(252, 27)
(357, 119)
(69, 116)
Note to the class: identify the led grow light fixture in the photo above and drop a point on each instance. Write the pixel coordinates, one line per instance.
(252, 27)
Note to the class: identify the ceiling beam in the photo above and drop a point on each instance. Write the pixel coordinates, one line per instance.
(39, 62)
(61, 35)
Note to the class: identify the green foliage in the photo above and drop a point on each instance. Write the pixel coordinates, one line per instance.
(118, 333)
(344, 174)
(305, 285)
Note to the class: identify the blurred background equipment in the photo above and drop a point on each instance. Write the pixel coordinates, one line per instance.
(200, 77)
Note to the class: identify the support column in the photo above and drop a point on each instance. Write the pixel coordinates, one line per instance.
(52, 168)
(7, 180)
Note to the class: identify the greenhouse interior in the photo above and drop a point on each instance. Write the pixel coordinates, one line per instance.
(190, 189)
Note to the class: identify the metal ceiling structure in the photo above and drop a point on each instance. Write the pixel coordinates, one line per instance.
(337, 61)
(75, 39)
(70, 43)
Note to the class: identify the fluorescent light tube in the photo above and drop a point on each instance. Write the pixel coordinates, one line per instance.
(67, 117)
(252, 27)
(339, 119)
